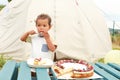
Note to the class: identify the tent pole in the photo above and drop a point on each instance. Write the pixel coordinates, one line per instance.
(113, 30)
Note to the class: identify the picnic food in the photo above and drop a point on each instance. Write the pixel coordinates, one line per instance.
(61, 71)
(38, 61)
(76, 68)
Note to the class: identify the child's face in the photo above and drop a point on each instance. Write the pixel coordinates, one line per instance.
(42, 25)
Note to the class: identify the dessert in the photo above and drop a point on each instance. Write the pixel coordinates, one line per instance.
(76, 68)
(39, 61)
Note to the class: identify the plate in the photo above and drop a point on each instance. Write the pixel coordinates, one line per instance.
(47, 63)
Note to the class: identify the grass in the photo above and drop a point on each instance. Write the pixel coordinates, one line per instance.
(3, 60)
(116, 41)
(2, 6)
(115, 46)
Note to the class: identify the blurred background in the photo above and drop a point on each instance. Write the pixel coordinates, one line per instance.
(111, 11)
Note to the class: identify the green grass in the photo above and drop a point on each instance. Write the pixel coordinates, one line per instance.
(116, 41)
(3, 60)
(2, 6)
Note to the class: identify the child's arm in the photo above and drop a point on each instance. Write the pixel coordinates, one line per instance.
(24, 37)
(51, 46)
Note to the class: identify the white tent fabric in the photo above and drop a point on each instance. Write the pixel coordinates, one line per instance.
(78, 28)
(12, 24)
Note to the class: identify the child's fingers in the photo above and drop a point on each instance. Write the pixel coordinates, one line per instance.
(32, 32)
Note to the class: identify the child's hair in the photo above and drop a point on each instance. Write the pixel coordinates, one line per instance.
(44, 16)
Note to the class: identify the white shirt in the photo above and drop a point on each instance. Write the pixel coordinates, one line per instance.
(39, 47)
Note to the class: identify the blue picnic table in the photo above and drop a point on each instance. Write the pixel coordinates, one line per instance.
(13, 70)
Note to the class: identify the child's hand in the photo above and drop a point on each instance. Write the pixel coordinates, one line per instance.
(24, 37)
(31, 32)
(46, 35)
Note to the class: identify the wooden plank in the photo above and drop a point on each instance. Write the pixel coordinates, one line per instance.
(24, 72)
(109, 69)
(114, 65)
(54, 77)
(8, 71)
(103, 73)
(42, 74)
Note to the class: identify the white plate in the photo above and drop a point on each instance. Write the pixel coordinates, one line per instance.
(48, 63)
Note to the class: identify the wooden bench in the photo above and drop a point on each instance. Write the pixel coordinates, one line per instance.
(9, 71)
(110, 71)
(25, 73)
(21, 71)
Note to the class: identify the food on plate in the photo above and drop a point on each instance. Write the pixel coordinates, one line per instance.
(82, 73)
(61, 71)
(39, 61)
(76, 68)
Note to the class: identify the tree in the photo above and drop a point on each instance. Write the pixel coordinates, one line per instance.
(9, 0)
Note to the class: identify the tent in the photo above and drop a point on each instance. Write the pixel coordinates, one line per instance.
(78, 28)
